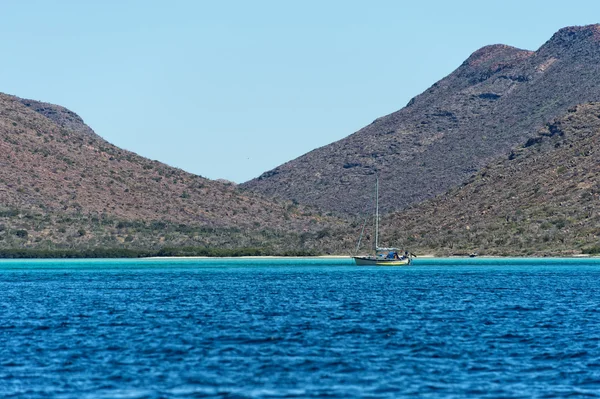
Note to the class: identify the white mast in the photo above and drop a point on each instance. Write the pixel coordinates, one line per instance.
(376, 212)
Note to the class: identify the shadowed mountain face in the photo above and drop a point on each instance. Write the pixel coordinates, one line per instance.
(487, 106)
(61, 116)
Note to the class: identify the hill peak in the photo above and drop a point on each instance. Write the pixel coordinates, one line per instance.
(583, 40)
(61, 116)
(494, 53)
(571, 33)
(491, 59)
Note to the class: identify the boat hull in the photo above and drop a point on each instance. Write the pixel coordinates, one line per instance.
(369, 261)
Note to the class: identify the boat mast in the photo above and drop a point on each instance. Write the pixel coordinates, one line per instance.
(376, 212)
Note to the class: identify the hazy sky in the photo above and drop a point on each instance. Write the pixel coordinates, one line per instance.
(230, 89)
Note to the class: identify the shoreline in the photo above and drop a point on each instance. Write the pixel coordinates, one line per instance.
(102, 255)
(252, 257)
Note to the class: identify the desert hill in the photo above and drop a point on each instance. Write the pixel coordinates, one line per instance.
(487, 106)
(62, 185)
(541, 199)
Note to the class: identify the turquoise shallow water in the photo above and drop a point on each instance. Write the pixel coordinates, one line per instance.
(237, 328)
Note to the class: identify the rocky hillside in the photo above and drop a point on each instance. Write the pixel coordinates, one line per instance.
(541, 199)
(61, 185)
(490, 104)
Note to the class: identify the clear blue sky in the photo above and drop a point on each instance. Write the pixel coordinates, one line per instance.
(230, 89)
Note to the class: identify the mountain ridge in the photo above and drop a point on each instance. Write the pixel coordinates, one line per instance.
(503, 112)
(59, 179)
(489, 104)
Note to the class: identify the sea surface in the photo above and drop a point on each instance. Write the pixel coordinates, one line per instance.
(299, 328)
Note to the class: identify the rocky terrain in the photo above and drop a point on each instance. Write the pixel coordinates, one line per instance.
(541, 199)
(493, 102)
(499, 158)
(63, 186)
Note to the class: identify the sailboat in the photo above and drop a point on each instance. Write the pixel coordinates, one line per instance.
(382, 256)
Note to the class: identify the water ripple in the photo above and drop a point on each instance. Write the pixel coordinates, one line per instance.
(300, 332)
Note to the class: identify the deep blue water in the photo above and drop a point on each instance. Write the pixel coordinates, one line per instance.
(481, 328)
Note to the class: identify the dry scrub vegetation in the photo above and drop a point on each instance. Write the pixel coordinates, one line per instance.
(62, 186)
(540, 200)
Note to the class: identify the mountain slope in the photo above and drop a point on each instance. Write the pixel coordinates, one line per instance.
(539, 200)
(490, 104)
(53, 167)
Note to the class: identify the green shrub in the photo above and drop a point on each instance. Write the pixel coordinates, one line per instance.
(21, 233)
(592, 250)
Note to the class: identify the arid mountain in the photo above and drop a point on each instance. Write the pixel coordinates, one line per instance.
(490, 104)
(63, 185)
(541, 199)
